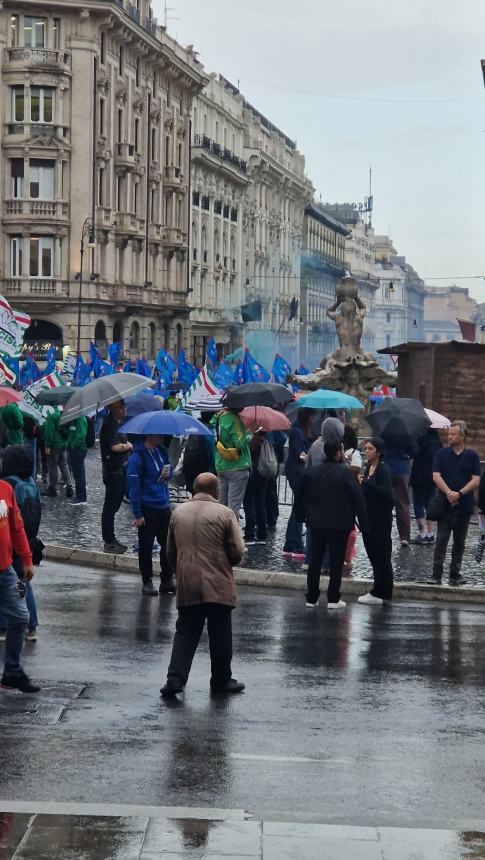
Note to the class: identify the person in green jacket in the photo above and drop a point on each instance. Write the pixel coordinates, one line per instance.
(233, 458)
(76, 450)
(13, 421)
(55, 449)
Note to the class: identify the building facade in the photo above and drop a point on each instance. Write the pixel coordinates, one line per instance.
(219, 182)
(322, 266)
(97, 104)
(443, 307)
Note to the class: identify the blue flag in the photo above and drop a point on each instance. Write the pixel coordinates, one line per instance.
(114, 354)
(165, 364)
(30, 372)
(253, 371)
(223, 376)
(81, 372)
(186, 371)
(238, 373)
(211, 354)
(302, 370)
(104, 368)
(143, 368)
(50, 361)
(129, 368)
(281, 369)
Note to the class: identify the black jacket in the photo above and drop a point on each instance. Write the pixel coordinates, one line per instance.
(329, 497)
(422, 468)
(378, 494)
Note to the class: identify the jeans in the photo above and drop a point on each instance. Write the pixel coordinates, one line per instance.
(272, 506)
(114, 483)
(157, 521)
(232, 486)
(77, 457)
(421, 497)
(337, 543)
(255, 507)
(188, 630)
(400, 485)
(294, 535)
(57, 460)
(451, 523)
(378, 546)
(14, 608)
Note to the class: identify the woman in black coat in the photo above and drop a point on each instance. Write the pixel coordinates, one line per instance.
(379, 502)
(300, 441)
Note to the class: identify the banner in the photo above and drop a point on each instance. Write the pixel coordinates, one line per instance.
(7, 376)
(52, 380)
(202, 394)
(13, 325)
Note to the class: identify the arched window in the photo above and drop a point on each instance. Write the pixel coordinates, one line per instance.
(118, 332)
(135, 337)
(166, 337)
(152, 340)
(100, 332)
(179, 338)
(43, 330)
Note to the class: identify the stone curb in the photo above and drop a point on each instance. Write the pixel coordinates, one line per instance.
(268, 579)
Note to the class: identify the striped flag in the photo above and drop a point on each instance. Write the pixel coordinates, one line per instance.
(69, 365)
(13, 325)
(203, 394)
(7, 376)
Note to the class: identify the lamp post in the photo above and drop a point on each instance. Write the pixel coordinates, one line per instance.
(87, 232)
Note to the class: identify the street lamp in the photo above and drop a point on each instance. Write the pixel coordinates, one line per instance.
(89, 234)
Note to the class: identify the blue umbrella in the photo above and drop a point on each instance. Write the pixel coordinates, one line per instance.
(140, 403)
(326, 399)
(165, 423)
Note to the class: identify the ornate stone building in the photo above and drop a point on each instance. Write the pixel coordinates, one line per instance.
(97, 101)
(322, 266)
(249, 192)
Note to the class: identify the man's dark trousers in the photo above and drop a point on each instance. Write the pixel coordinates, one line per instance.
(115, 490)
(188, 630)
(157, 521)
(451, 523)
(337, 544)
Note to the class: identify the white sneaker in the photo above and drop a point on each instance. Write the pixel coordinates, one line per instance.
(311, 605)
(370, 600)
(340, 605)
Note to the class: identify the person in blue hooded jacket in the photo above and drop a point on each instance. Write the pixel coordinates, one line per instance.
(148, 473)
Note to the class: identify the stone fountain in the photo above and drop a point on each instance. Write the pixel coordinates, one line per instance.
(348, 369)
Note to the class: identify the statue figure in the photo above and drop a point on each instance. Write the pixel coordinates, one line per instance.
(348, 369)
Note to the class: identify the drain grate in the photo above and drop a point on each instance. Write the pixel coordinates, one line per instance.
(47, 709)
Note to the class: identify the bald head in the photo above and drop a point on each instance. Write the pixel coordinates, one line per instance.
(206, 482)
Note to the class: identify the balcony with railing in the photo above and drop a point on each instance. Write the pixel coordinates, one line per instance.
(201, 141)
(173, 176)
(174, 237)
(36, 129)
(126, 156)
(148, 24)
(54, 210)
(37, 58)
(29, 287)
(129, 223)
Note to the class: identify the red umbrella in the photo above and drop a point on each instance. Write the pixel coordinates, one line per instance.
(264, 417)
(9, 395)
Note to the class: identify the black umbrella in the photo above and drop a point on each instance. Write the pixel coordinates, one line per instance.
(399, 421)
(55, 396)
(256, 394)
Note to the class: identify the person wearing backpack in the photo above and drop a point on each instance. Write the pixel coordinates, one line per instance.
(77, 441)
(17, 471)
(263, 468)
(55, 438)
(232, 458)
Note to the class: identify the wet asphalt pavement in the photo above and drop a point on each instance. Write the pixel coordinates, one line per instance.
(368, 717)
(81, 527)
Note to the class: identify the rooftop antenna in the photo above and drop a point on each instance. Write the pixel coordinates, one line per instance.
(166, 16)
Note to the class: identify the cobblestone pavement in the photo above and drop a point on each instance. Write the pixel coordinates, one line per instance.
(81, 527)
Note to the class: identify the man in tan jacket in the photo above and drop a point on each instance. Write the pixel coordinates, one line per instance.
(204, 541)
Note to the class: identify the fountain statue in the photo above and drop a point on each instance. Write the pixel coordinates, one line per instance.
(349, 368)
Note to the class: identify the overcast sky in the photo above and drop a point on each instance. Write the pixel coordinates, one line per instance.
(396, 85)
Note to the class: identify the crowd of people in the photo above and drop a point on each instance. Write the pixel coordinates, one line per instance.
(340, 488)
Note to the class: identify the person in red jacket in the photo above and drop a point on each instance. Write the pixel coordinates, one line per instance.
(12, 590)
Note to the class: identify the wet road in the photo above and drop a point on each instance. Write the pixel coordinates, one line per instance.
(369, 717)
(81, 527)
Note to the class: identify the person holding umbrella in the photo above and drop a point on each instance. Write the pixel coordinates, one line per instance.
(379, 502)
(148, 472)
(115, 450)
